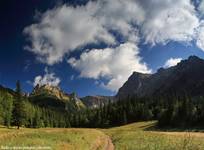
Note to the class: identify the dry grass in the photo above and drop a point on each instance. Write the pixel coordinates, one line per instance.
(129, 137)
(136, 137)
(71, 139)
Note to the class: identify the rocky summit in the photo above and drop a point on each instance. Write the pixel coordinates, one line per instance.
(53, 96)
(187, 77)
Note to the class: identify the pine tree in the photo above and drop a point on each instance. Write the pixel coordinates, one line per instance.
(124, 117)
(8, 110)
(19, 113)
(36, 122)
(6, 107)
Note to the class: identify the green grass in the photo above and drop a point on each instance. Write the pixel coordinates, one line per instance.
(134, 136)
(72, 139)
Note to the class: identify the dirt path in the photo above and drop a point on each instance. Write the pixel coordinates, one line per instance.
(109, 145)
(104, 143)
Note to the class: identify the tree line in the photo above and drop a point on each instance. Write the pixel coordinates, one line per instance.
(17, 110)
(171, 111)
(183, 112)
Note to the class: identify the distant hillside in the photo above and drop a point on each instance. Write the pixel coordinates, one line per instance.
(52, 96)
(4, 89)
(96, 101)
(187, 77)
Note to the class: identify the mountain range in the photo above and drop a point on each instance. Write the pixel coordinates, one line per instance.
(187, 77)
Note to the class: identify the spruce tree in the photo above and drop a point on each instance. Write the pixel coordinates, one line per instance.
(19, 113)
(6, 107)
(124, 117)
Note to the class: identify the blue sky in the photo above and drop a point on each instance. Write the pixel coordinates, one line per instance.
(94, 48)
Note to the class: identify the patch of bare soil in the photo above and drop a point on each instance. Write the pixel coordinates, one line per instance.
(104, 143)
(109, 145)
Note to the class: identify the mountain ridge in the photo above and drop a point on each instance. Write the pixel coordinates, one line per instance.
(186, 77)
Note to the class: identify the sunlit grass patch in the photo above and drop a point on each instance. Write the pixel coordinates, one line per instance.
(136, 137)
(81, 139)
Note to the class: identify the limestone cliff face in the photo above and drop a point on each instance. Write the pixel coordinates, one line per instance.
(50, 90)
(47, 95)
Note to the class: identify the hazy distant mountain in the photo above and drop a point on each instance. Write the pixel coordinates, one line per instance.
(96, 101)
(52, 96)
(187, 77)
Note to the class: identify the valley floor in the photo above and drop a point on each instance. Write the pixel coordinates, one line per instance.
(136, 136)
(141, 136)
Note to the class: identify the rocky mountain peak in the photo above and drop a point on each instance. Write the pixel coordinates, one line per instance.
(193, 58)
(191, 61)
(47, 89)
(186, 77)
(161, 70)
(47, 95)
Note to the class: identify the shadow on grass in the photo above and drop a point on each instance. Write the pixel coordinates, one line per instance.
(155, 127)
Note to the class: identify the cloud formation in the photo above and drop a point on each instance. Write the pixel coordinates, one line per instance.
(174, 20)
(47, 79)
(172, 62)
(65, 28)
(200, 36)
(114, 64)
(201, 7)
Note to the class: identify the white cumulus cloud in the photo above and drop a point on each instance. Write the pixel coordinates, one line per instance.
(64, 29)
(168, 20)
(172, 62)
(114, 64)
(46, 79)
(201, 7)
(200, 36)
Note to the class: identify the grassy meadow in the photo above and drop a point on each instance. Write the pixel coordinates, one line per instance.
(136, 136)
(57, 139)
(141, 136)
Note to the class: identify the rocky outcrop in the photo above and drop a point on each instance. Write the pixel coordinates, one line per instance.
(53, 96)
